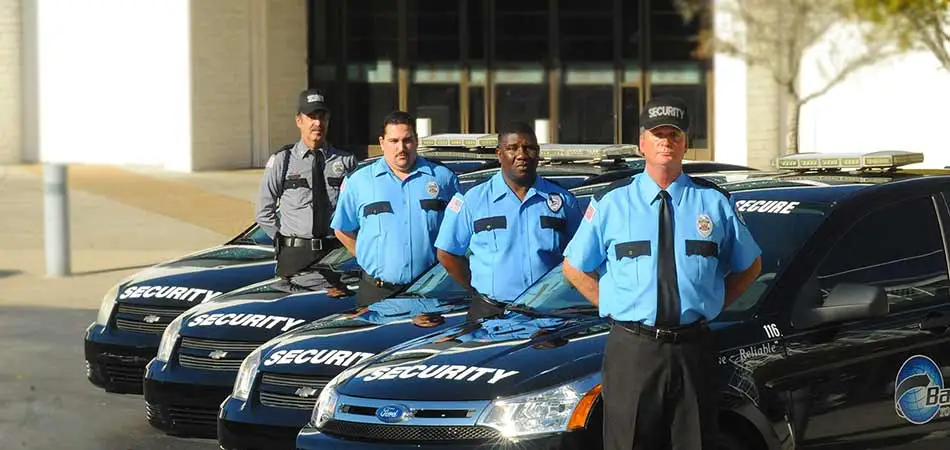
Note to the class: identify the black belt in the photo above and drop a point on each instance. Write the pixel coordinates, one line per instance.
(314, 244)
(683, 333)
(382, 284)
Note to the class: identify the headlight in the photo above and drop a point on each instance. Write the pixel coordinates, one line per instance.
(107, 305)
(246, 375)
(328, 399)
(562, 408)
(169, 339)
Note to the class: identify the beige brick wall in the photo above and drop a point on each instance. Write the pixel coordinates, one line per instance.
(287, 69)
(763, 118)
(11, 143)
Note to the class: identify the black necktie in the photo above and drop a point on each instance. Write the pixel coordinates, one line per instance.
(667, 291)
(321, 201)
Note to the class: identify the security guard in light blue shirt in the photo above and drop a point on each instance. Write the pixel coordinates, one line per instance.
(676, 253)
(516, 224)
(389, 212)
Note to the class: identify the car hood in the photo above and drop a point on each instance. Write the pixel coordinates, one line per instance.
(329, 345)
(198, 277)
(514, 355)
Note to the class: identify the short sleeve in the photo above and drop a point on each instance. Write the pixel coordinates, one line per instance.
(587, 251)
(741, 246)
(345, 218)
(456, 230)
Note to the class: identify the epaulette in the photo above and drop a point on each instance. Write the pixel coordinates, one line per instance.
(709, 184)
(616, 184)
(286, 147)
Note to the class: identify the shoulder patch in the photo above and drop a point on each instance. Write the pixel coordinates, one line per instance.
(616, 184)
(699, 181)
(270, 161)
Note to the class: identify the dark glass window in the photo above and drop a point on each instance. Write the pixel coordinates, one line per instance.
(438, 102)
(630, 31)
(587, 115)
(586, 30)
(477, 28)
(631, 116)
(879, 250)
(433, 30)
(323, 32)
(695, 98)
(521, 30)
(372, 30)
(672, 38)
(520, 103)
(476, 110)
(371, 102)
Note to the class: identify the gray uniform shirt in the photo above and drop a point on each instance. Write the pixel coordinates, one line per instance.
(296, 216)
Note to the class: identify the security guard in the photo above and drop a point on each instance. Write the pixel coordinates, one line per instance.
(396, 204)
(516, 224)
(301, 233)
(676, 253)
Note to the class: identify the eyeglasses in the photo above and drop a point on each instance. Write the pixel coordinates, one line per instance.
(529, 149)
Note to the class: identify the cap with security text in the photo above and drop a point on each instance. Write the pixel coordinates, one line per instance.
(311, 101)
(660, 111)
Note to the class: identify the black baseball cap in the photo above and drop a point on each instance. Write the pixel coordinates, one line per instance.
(660, 111)
(311, 101)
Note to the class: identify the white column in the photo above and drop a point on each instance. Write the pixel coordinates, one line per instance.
(542, 129)
(11, 115)
(423, 127)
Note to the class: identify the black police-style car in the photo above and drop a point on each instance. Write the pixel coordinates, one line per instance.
(135, 312)
(842, 341)
(278, 384)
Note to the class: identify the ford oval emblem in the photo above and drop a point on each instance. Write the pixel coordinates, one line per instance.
(393, 413)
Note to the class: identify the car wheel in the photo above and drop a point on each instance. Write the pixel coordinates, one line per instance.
(731, 442)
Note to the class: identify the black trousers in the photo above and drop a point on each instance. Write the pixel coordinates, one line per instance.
(659, 395)
(370, 293)
(295, 260)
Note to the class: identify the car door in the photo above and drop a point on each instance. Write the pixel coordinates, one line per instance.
(865, 383)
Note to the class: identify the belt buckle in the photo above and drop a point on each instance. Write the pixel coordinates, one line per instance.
(379, 283)
(661, 332)
(316, 244)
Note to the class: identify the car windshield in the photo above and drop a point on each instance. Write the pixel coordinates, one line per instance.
(779, 235)
(435, 282)
(336, 257)
(254, 235)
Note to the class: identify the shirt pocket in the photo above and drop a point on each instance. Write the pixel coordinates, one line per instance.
(378, 218)
(551, 234)
(432, 212)
(634, 260)
(702, 257)
(490, 233)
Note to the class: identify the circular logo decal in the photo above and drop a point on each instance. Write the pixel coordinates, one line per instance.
(917, 390)
(555, 202)
(704, 225)
(393, 413)
(432, 188)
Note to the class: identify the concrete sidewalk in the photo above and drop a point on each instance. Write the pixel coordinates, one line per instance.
(122, 219)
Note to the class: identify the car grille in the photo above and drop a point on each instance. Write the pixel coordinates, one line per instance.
(210, 354)
(121, 372)
(406, 433)
(133, 317)
(190, 421)
(291, 391)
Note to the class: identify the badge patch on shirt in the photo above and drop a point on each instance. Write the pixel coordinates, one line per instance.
(555, 202)
(337, 169)
(432, 189)
(456, 204)
(589, 214)
(704, 225)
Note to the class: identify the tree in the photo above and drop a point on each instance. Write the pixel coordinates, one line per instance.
(777, 36)
(915, 24)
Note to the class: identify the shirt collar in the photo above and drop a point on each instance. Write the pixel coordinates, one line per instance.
(650, 189)
(300, 149)
(380, 167)
(499, 188)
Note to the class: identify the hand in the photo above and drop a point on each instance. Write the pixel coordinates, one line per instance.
(427, 320)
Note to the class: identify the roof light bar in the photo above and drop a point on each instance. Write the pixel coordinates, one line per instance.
(888, 159)
(460, 140)
(587, 152)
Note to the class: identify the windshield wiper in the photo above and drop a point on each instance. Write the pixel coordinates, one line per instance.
(534, 312)
(578, 310)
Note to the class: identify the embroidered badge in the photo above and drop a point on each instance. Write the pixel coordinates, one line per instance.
(432, 189)
(704, 225)
(589, 214)
(555, 202)
(337, 168)
(456, 204)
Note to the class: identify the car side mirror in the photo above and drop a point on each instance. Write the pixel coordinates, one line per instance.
(845, 302)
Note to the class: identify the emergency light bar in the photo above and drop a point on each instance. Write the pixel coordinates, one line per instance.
(888, 159)
(460, 140)
(592, 152)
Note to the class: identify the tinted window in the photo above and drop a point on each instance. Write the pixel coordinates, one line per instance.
(436, 282)
(898, 247)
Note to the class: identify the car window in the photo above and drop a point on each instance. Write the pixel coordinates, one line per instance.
(898, 247)
(436, 282)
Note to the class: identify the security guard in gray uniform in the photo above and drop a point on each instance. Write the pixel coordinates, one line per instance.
(677, 253)
(306, 203)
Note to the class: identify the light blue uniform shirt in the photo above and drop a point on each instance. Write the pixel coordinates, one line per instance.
(621, 227)
(397, 220)
(513, 242)
(393, 309)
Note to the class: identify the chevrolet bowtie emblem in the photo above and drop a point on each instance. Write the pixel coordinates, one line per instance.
(307, 392)
(151, 318)
(217, 354)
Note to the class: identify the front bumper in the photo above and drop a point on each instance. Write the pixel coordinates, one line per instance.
(116, 360)
(252, 426)
(312, 439)
(182, 407)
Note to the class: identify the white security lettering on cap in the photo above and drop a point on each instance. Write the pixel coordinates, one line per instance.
(314, 98)
(467, 374)
(666, 111)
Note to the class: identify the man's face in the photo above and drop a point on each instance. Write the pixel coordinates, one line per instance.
(518, 155)
(663, 146)
(313, 127)
(399, 146)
